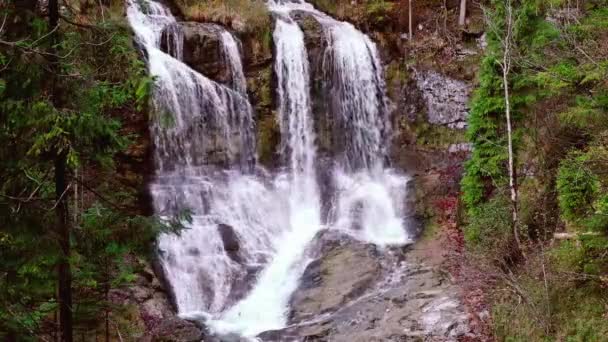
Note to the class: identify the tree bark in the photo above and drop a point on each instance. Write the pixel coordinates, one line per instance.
(64, 273)
(63, 230)
(463, 13)
(411, 31)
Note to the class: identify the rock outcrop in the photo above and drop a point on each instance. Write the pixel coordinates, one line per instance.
(446, 99)
(316, 45)
(147, 308)
(355, 292)
(202, 48)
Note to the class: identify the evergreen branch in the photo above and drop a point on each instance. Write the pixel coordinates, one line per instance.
(125, 210)
(86, 26)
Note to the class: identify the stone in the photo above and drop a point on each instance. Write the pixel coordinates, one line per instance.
(141, 293)
(230, 240)
(353, 292)
(462, 147)
(157, 307)
(343, 273)
(446, 99)
(178, 330)
(202, 49)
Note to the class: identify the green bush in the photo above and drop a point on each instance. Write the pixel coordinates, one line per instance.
(489, 228)
(577, 186)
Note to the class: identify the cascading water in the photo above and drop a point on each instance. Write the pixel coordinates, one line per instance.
(199, 121)
(245, 250)
(368, 199)
(230, 47)
(265, 307)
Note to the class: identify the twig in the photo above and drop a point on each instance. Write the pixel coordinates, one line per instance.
(117, 331)
(103, 198)
(90, 27)
(61, 197)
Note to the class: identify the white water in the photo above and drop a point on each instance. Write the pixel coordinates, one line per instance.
(195, 117)
(368, 197)
(232, 54)
(265, 307)
(201, 124)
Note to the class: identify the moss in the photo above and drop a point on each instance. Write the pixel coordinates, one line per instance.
(261, 88)
(396, 72)
(328, 6)
(431, 230)
(245, 16)
(378, 11)
(269, 137)
(437, 137)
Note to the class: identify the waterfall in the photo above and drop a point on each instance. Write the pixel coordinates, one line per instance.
(368, 200)
(240, 259)
(231, 53)
(266, 305)
(199, 124)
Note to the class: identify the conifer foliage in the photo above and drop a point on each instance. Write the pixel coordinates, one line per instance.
(70, 79)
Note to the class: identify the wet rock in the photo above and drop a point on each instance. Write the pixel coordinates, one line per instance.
(146, 305)
(202, 48)
(230, 240)
(316, 45)
(341, 274)
(446, 99)
(354, 292)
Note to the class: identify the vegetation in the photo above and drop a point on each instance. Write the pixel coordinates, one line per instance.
(68, 217)
(553, 286)
(242, 15)
(72, 227)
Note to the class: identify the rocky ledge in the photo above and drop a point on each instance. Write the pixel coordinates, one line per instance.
(357, 292)
(148, 311)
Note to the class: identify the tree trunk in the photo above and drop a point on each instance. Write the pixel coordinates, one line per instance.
(411, 31)
(63, 230)
(506, 68)
(64, 273)
(463, 13)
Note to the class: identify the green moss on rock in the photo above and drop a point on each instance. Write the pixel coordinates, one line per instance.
(269, 137)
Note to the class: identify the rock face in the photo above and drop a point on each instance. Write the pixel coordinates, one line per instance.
(316, 44)
(446, 99)
(202, 49)
(324, 290)
(355, 292)
(150, 310)
(231, 241)
(352, 291)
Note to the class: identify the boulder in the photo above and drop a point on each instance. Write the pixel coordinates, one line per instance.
(339, 275)
(354, 292)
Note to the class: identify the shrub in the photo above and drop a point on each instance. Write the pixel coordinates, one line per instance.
(489, 229)
(576, 186)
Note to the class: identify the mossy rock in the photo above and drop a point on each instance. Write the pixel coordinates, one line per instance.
(269, 137)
